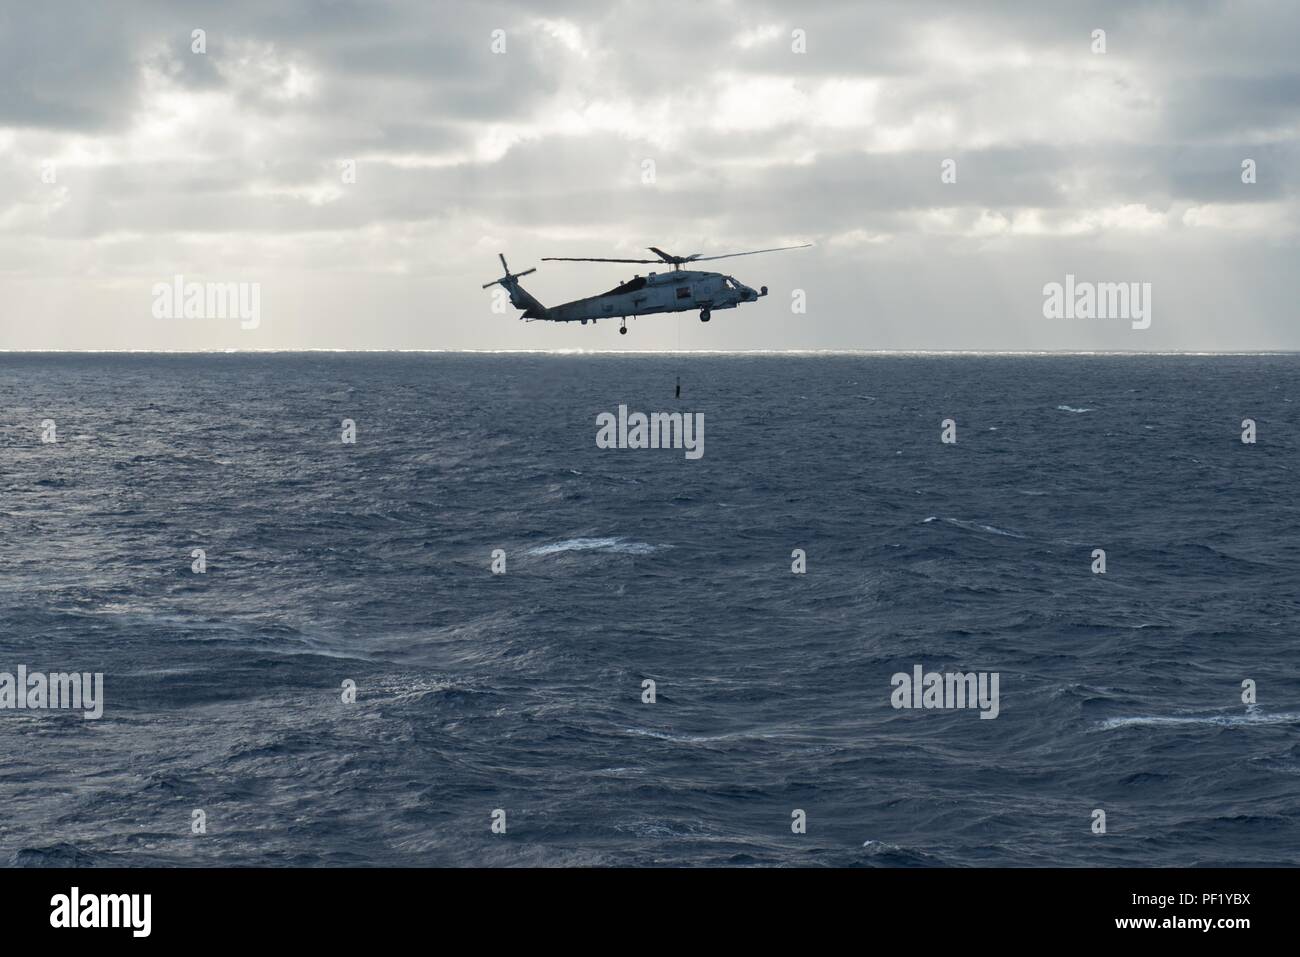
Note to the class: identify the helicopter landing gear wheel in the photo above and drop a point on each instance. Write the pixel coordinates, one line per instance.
(622, 330)
(704, 315)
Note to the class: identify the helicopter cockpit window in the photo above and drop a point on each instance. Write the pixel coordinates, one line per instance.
(632, 285)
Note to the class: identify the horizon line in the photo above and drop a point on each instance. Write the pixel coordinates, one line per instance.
(670, 352)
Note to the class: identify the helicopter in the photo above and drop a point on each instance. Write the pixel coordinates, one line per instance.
(680, 290)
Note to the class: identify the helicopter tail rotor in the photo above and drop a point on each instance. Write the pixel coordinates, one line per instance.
(520, 298)
(509, 277)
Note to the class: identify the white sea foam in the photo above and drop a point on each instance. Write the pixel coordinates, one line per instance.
(1221, 720)
(619, 545)
(709, 738)
(974, 526)
(1070, 408)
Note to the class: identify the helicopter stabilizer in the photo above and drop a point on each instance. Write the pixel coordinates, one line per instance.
(520, 298)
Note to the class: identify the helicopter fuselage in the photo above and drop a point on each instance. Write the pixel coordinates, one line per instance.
(681, 290)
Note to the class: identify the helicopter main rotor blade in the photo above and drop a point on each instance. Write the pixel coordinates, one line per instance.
(698, 258)
(667, 257)
(588, 259)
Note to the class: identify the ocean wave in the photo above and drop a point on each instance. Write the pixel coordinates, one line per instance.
(1220, 720)
(62, 854)
(333, 563)
(974, 526)
(709, 738)
(1070, 408)
(619, 546)
(896, 855)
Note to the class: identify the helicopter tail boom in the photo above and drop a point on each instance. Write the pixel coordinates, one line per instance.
(520, 298)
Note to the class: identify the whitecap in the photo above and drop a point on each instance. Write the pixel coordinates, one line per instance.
(1220, 720)
(710, 738)
(618, 545)
(1070, 408)
(976, 527)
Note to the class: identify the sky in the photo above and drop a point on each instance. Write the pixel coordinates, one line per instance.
(359, 166)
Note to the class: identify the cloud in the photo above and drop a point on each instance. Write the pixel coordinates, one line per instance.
(230, 163)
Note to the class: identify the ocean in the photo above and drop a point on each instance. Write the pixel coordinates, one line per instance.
(505, 719)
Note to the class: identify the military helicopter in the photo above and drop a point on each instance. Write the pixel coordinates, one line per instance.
(680, 290)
